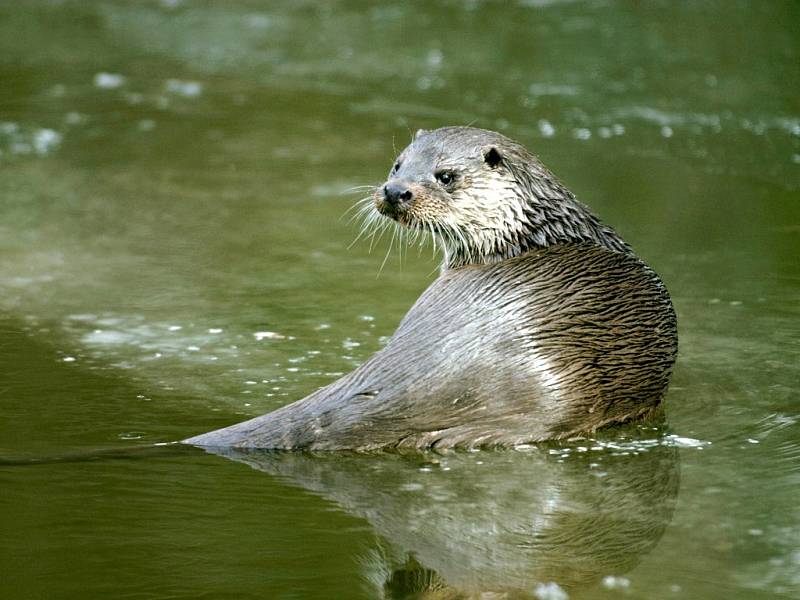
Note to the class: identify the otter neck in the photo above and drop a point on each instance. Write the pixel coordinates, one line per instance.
(548, 214)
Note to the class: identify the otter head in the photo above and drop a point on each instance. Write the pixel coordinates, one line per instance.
(484, 197)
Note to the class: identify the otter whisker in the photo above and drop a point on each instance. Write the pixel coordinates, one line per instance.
(388, 250)
(401, 243)
(369, 217)
(361, 205)
(374, 227)
(407, 234)
(433, 239)
(448, 243)
(463, 245)
(420, 237)
(359, 188)
(411, 237)
(359, 236)
(366, 210)
(365, 218)
(379, 231)
(429, 233)
(358, 203)
(364, 215)
(416, 235)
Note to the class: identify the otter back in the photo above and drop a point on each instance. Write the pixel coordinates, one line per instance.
(554, 343)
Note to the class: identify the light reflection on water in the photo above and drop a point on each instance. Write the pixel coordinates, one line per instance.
(175, 258)
(502, 522)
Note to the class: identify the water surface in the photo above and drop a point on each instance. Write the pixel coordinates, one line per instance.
(175, 256)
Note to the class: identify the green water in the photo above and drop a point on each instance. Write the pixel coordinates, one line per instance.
(174, 258)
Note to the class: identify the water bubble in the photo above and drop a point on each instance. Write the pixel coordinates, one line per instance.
(108, 80)
(188, 89)
(611, 582)
(411, 487)
(550, 591)
(258, 21)
(44, 140)
(435, 58)
(267, 335)
(74, 118)
(425, 83)
(684, 442)
(582, 133)
(546, 128)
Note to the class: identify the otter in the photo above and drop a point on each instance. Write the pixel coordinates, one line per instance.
(542, 325)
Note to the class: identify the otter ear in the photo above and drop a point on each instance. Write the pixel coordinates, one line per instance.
(420, 132)
(492, 156)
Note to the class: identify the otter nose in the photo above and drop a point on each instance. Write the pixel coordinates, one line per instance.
(395, 193)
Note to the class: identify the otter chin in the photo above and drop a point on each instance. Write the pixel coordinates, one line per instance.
(543, 324)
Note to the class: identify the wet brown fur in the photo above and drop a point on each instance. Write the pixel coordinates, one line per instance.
(547, 327)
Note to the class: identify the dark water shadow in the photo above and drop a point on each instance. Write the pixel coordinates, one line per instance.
(460, 525)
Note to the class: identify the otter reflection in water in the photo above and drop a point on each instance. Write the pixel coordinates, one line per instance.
(468, 523)
(542, 325)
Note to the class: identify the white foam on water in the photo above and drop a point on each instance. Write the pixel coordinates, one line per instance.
(267, 335)
(187, 89)
(678, 441)
(546, 128)
(108, 81)
(45, 140)
(550, 591)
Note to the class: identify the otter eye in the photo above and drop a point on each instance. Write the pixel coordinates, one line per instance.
(445, 177)
(396, 167)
